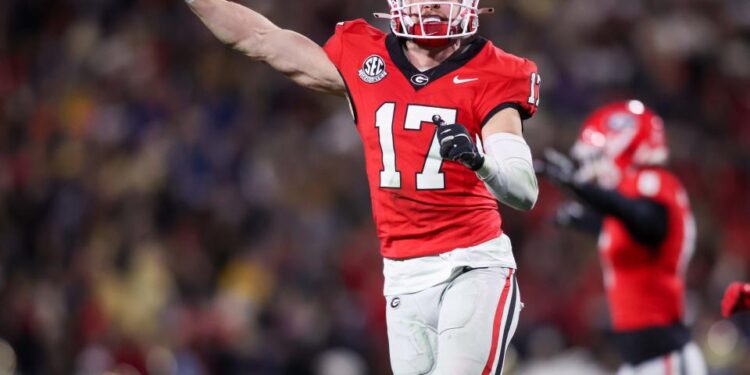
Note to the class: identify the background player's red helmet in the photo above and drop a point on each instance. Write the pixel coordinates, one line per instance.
(626, 134)
(408, 21)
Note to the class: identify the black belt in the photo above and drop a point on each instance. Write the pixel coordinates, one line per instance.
(644, 344)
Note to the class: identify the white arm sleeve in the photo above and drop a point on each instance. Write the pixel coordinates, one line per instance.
(508, 171)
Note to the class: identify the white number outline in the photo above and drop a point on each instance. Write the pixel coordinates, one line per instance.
(390, 177)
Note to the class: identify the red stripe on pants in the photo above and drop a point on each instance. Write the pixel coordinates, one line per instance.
(668, 364)
(498, 323)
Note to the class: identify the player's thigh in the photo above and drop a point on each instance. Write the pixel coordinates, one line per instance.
(686, 361)
(478, 317)
(693, 360)
(412, 341)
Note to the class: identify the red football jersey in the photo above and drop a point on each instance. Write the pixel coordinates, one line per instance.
(421, 204)
(646, 288)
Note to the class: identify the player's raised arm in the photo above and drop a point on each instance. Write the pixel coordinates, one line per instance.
(289, 52)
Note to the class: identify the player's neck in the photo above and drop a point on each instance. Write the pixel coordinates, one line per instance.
(425, 58)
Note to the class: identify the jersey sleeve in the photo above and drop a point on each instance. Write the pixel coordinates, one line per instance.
(657, 186)
(520, 90)
(334, 47)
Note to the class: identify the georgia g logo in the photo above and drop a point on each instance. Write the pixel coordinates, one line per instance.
(373, 69)
(395, 303)
(420, 79)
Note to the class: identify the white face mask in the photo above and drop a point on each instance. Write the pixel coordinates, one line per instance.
(434, 20)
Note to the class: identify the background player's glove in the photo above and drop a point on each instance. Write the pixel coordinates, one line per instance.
(556, 167)
(456, 144)
(736, 298)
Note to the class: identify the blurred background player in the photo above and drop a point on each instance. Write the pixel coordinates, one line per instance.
(646, 231)
(736, 299)
(452, 298)
(155, 215)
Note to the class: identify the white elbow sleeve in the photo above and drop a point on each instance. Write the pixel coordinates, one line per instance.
(508, 171)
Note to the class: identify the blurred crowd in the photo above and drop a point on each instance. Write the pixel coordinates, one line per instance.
(169, 207)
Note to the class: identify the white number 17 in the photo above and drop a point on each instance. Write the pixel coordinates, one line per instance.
(430, 178)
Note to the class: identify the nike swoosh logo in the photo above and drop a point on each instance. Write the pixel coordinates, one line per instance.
(459, 81)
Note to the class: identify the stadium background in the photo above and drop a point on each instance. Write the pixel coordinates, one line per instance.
(169, 207)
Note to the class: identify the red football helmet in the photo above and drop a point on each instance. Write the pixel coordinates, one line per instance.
(736, 299)
(619, 136)
(446, 20)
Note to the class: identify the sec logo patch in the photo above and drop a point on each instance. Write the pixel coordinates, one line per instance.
(373, 69)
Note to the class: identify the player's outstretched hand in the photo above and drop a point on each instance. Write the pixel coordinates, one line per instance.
(456, 144)
(556, 167)
(736, 298)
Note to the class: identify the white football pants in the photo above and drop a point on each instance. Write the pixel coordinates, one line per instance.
(460, 327)
(686, 361)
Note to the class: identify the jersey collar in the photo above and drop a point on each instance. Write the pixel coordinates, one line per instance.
(396, 51)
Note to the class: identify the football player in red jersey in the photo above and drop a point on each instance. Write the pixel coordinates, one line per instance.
(422, 96)
(646, 233)
(736, 299)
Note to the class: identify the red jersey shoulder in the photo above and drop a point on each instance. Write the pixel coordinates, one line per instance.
(350, 33)
(358, 28)
(507, 66)
(658, 184)
(511, 81)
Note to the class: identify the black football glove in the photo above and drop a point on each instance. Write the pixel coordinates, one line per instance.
(556, 167)
(456, 144)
